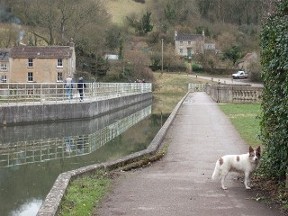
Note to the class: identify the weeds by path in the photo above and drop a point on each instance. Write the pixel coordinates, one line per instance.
(84, 194)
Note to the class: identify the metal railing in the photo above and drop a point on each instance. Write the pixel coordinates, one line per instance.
(57, 92)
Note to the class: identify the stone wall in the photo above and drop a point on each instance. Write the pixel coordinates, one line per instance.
(234, 93)
(50, 112)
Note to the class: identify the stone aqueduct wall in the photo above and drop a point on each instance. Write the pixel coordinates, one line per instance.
(50, 112)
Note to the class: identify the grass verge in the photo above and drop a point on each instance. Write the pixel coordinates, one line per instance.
(246, 120)
(84, 194)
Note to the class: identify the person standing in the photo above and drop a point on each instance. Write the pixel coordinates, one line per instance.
(69, 87)
(81, 86)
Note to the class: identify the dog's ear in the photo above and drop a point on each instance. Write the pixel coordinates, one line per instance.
(251, 149)
(258, 150)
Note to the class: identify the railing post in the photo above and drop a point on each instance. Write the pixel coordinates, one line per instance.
(41, 94)
(17, 93)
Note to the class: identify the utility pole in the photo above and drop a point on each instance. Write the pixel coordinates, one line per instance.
(162, 56)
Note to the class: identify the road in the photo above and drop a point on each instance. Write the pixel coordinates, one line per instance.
(230, 80)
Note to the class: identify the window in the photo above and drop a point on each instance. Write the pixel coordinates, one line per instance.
(3, 67)
(59, 77)
(30, 76)
(59, 63)
(189, 42)
(30, 62)
(181, 51)
(3, 79)
(181, 42)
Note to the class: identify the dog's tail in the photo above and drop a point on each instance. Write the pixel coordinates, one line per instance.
(216, 173)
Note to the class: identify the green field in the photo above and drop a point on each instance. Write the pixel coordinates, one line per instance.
(246, 120)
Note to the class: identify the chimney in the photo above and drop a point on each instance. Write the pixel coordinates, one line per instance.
(203, 35)
(71, 43)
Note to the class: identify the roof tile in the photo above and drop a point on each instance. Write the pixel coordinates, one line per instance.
(188, 37)
(47, 52)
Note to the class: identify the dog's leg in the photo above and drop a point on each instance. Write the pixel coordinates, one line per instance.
(222, 182)
(247, 180)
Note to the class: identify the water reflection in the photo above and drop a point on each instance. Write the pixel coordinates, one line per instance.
(64, 140)
(28, 209)
(33, 156)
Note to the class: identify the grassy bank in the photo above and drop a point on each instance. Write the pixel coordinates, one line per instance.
(246, 120)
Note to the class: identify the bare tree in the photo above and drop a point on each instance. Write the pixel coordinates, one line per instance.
(57, 21)
(9, 35)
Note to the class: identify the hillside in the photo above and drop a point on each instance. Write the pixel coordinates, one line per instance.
(119, 9)
(101, 26)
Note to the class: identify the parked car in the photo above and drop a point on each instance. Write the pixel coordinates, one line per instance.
(240, 75)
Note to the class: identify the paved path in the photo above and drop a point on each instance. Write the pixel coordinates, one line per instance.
(180, 184)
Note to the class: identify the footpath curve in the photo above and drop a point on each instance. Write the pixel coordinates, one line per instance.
(180, 184)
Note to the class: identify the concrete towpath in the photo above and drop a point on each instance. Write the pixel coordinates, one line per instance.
(180, 184)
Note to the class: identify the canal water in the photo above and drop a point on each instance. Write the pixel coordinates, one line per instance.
(32, 156)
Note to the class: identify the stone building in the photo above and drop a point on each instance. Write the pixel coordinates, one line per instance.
(187, 45)
(34, 64)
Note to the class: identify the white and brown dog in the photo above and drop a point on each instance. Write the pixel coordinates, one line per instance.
(244, 163)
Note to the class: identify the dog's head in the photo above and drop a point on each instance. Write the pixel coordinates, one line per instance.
(254, 154)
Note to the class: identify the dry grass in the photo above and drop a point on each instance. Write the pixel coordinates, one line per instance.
(170, 88)
(119, 9)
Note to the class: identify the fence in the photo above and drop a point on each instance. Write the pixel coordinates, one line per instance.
(56, 92)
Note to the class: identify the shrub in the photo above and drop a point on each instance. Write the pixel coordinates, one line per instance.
(274, 121)
(197, 68)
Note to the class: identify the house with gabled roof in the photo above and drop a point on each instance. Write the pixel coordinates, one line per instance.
(47, 64)
(187, 45)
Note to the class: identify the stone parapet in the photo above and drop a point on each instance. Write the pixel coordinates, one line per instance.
(224, 93)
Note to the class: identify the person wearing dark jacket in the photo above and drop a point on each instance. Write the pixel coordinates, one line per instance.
(81, 86)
